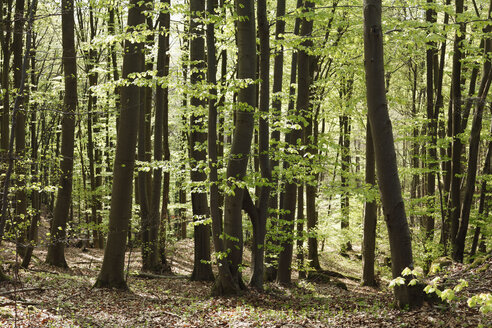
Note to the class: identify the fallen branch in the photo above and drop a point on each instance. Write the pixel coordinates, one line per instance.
(19, 303)
(22, 291)
(147, 275)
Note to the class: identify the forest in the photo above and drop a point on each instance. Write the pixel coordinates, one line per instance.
(204, 163)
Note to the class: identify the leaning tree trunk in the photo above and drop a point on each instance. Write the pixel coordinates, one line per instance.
(459, 245)
(230, 281)
(385, 155)
(56, 249)
(111, 274)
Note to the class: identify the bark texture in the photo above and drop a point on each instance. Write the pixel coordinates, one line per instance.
(385, 155)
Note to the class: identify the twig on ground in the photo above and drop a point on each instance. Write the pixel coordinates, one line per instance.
(22, 291)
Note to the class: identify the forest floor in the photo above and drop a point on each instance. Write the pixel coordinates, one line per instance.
(48, 297)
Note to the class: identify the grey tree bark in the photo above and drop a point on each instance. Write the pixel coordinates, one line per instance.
(370, 216)
(202, 269)
(56, 248)
(229, 281)
(385, 156)
(111, 274)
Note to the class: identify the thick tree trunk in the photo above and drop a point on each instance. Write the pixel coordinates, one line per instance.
(385, 155)
(56, 249)
(111, 275)
(229, 281)
(370, 216)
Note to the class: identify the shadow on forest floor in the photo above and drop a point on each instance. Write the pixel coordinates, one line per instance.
(65, 298)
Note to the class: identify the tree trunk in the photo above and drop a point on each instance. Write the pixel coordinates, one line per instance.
(288, 197)
(259, 225)
(455, 205)
(20, 204)
(56, 249)
(370, 216)
(459, 245)
(149, 226)
(162, 103)
(304, 62)
(111, 274)
(6, 52)
(230, 281)
(385, 155)
(36, 197)
(202, 269)
(431, 164)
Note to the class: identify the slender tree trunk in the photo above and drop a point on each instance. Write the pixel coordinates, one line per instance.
(304, 62)
(36, 197)
(162, 101)
(455, 205)
(385, 155)
(483, 207)
(288, 197)
(6, 52)
(370, 216)
(149, 227)
(217, 226)
(431, 164)
(459, 245)
(259, 225)
(111, 274)
(56, 249)
(20, 204)
(345, 129)
(278, 72)
(415, 134)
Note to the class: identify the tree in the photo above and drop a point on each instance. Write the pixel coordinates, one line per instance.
(202, 269)
(459, 245)
(229, 280)
(288, 196)
(370, 216)
(304, 66)
(260, 219)
(56, 249)
(111, 274)
(385, 156)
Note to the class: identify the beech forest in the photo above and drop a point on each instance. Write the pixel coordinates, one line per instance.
(240, 163)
